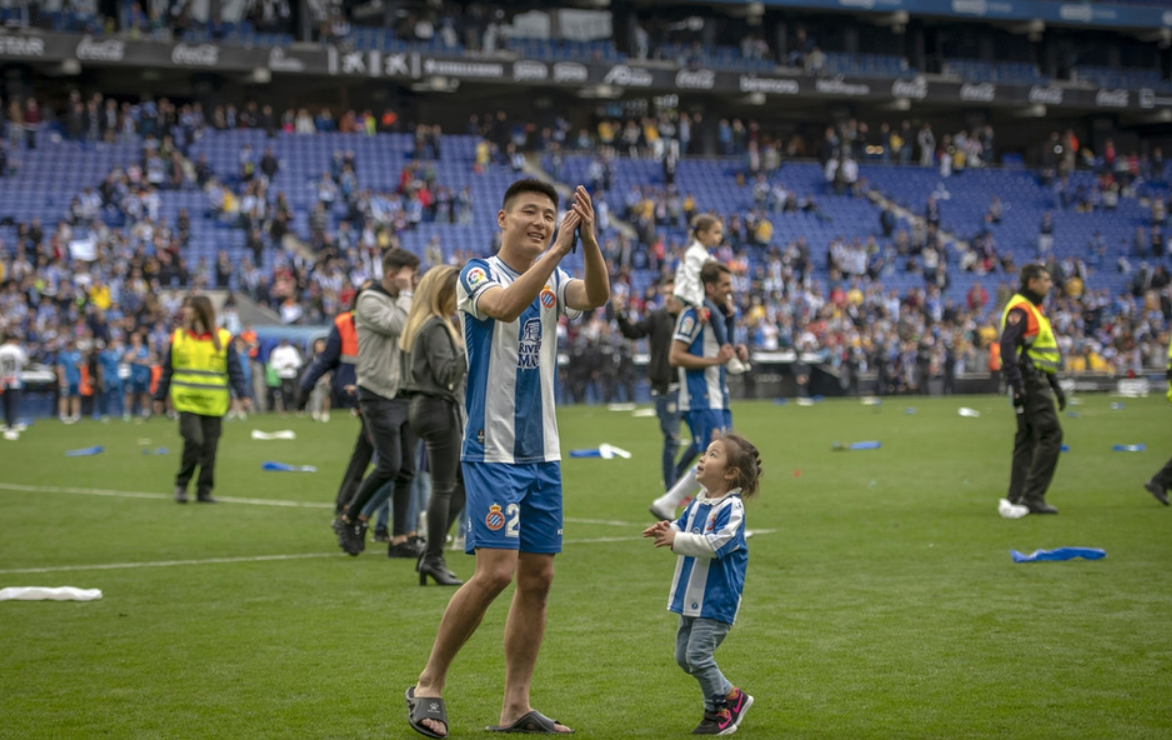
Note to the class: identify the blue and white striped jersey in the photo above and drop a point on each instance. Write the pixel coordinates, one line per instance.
(713, 558)
(706, 388)
(512, 369)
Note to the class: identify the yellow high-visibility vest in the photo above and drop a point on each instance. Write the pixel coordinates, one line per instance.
(199, 379)
(1040, 345)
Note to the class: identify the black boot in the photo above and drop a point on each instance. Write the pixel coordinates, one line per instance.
(434, 566)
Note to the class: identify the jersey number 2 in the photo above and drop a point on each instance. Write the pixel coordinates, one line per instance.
(513, 524)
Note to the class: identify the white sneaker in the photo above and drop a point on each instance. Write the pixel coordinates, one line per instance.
(736, 367)
(325, 417)
(662, 512)
(12, 435)
(1011, 511)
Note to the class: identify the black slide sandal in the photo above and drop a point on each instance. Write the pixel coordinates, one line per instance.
(426, 707)
(531, 723)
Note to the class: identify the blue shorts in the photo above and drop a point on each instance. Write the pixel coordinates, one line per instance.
(513, 507)
(71, 389)
(703, 423)
(135, 385)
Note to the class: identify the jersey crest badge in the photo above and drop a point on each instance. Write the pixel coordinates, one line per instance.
(494, 519)
(548, 299)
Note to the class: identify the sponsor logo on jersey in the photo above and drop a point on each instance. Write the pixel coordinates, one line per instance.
(476, 276)
(529, 352)
(495, 518)
(687, 325)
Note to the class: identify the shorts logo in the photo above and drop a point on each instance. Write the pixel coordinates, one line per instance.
(547, 297)
(480, 436)
(687, 325)
(476, 276)
(495, 519)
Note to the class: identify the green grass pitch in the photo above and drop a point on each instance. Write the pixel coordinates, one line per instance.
(881, 600)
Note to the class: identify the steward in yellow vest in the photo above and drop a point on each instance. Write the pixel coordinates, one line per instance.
(200, 367)
(1030, 360)
(199, 372)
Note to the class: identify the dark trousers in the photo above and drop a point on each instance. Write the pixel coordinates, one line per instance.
(359, 460)
(437, 422)
(1162, 478)
(393, 439)
(201, 436)
(11, 398)
(288, 394)
(668, 410)
(1037, 444)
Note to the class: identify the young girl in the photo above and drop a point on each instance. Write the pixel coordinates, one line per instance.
(706, 590)
(707, 234)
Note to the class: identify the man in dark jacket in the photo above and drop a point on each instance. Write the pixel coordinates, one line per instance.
(658, 326)
(340, 356)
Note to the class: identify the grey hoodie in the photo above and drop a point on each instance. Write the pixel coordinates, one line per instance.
(380, 319)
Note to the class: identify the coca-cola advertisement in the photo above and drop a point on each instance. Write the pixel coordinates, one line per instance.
(106, 50)
(202, 55)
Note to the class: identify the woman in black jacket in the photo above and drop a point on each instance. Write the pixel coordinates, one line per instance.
(435, 368)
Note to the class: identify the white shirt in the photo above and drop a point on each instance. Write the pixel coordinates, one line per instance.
(12, 360)
(285, 361)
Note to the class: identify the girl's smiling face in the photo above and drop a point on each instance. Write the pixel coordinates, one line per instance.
(713, 471)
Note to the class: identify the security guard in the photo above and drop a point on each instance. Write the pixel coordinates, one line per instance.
(199, 366)
(1030, 360)
(341, 356)
(1160, 483)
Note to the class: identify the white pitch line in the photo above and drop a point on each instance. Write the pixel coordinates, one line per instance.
(160, 496)
(221, 561)
(232, 500)
(606, 522)
(169, 563)
(269, 502)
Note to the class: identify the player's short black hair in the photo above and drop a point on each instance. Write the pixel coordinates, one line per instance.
(529, 185)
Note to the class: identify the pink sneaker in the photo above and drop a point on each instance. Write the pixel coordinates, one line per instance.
(719, 722)
(738, 705)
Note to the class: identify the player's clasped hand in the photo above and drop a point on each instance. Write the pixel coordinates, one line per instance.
(565, 239)
(584, 207)
(663, 533)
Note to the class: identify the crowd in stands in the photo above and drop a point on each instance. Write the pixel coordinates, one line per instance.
(794, 296)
